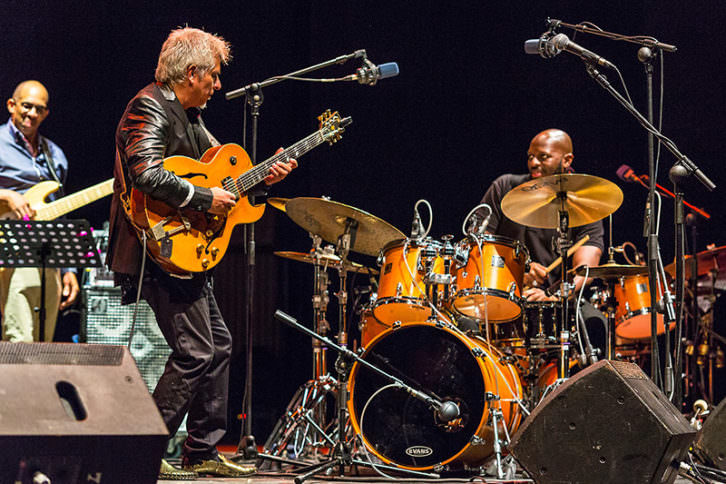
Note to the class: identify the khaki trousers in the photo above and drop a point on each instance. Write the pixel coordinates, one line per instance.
(20, 295)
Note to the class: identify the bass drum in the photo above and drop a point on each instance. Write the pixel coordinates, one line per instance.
(433, 358)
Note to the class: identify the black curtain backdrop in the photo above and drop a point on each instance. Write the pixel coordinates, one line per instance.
(461, 112)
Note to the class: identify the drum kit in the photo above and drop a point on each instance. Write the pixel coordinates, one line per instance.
(448, 319)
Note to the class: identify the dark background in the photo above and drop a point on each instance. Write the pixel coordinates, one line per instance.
(462, 111)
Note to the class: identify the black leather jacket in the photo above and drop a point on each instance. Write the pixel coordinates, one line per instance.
(153, 127)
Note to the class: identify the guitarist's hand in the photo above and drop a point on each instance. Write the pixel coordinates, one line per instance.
(70, 290)
(17, 204)
(222, 202)
(280, 170)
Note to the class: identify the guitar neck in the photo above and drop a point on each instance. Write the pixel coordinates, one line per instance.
(255, 175)
(62, 206)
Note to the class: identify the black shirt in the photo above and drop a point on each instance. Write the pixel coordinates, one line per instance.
(541, 243)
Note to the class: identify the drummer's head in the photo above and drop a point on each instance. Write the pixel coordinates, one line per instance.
(550, 152)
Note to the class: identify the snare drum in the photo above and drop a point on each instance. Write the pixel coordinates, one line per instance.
(488, 281)
(434, 359)
(405, 265)
(632, 316)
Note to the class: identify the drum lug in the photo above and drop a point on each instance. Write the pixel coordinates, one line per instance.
(477, 352)
(461, 256)
(396, 325)
(477, 282)
(399, 289)
(512, 290)
(439, 323)
(438, 468)
(476, 440)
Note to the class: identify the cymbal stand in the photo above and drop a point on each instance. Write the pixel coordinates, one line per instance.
(563, 243)
(304, 420)
(341, 455)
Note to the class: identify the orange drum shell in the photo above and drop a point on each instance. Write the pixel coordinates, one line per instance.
(409, 302)
(489, 363)
(632, 315)
(503, 264)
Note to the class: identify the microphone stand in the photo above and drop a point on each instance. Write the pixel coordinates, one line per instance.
(686, 168)
(341, 454)
(253, 94)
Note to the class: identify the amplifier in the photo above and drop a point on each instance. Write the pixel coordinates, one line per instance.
(106, 321)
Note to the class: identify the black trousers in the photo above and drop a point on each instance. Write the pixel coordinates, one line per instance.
(196, 376)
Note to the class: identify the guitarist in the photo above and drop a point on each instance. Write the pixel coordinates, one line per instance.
(162, 120)
(27, 158)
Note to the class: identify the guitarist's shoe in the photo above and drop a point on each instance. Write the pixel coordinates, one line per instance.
(218, 466)
(170, 473)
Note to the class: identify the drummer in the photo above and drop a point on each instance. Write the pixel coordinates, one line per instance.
(550, 153)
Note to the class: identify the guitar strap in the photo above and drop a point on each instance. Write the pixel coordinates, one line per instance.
(51, 165)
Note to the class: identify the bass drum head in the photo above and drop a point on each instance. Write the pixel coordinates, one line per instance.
(403, 430)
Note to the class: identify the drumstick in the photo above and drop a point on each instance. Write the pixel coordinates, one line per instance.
(570, 251)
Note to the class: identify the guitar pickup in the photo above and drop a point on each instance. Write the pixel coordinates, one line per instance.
(158, 232)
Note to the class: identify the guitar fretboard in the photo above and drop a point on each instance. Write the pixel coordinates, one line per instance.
(252, 177)
(67, 204)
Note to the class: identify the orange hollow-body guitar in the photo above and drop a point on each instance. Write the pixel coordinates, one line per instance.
(183, 241)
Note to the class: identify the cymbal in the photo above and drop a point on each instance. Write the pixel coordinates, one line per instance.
(328, 219)
(708, 260)
(611, 271)
(586, 199)
(278, 202)
(331, 260)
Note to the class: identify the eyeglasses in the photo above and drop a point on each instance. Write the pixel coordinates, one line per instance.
(27, 107)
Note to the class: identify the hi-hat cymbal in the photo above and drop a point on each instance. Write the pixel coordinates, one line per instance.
(611, 271)
(586, 199)
(278, 202)
(330, 260)
(708, 260)
(329, 219)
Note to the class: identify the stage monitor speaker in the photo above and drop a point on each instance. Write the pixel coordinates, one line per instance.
(711, 440)
(76, 413)
(609, 423)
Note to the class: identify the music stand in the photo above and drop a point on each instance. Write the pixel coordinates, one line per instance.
(47, 244)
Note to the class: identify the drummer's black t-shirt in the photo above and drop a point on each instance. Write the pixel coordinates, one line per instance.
(541, 243)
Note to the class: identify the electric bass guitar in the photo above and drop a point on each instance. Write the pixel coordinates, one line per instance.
(183, 241)
(37, 194)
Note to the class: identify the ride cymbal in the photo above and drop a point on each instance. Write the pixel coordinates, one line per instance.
(330, 260)
(329, 220)
(278, 202)
(586, 199)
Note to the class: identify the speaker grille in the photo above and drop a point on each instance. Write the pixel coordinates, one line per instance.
(107, 322)
(60, 354)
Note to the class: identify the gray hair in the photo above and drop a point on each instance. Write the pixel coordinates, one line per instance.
(185, 47)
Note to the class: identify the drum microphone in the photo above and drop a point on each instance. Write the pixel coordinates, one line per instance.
(448, 411)
(627, 174)
(416, 226)
(548, 46)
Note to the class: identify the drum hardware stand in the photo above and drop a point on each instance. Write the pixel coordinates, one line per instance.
(341, 455)
(308, 405)
(496, 416)
(563, 370)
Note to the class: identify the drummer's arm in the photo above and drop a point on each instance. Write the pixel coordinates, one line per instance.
(588, 255)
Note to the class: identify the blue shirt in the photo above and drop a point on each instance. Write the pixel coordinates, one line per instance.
(19, 169)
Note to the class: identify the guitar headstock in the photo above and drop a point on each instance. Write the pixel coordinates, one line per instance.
(332, 126)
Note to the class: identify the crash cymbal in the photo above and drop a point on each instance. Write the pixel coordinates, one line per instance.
(611, 271)
(708, 260)
(278, 203)
(331, 260)
(586, 199)
(328, 219)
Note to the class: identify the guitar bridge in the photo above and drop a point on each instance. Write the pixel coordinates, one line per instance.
(158, 232)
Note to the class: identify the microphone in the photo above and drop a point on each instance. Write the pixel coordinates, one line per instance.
(370, 73)
(542, 46)
(562, 42)
(627, 174)
(448, 411)
(416, 225)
